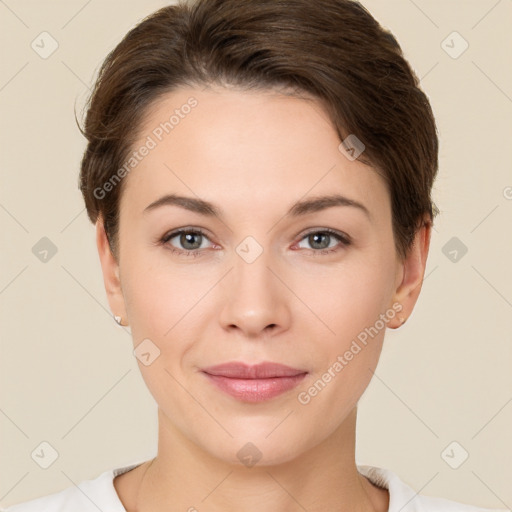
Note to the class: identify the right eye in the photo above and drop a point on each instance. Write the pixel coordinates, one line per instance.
(189, 239)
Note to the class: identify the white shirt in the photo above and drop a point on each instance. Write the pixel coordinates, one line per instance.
(100, 494)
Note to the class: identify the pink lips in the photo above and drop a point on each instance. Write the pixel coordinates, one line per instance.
(254, 383)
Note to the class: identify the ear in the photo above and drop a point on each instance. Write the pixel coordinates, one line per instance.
(410, 273)
(110, 270)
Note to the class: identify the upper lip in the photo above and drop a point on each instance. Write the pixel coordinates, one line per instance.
(265, 370)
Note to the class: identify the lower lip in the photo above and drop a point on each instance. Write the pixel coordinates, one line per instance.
(255, 390)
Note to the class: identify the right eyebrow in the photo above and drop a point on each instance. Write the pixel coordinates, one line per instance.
(192, 204)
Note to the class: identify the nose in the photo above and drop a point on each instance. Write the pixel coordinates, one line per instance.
(255, 299)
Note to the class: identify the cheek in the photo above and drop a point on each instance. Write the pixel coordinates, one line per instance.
(161, 303)
(354, 304)
(353, 307)
(350, 298)
(162, 296)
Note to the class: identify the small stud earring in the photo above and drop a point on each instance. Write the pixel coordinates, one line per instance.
(118, 319)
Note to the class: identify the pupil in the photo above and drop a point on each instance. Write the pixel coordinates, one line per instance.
(313, 240)
(188, 238)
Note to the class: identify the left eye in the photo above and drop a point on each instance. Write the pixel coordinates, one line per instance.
(320, 240)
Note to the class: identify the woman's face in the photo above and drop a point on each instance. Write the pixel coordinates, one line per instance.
(262, 282)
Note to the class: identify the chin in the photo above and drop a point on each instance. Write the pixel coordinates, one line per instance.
(253, 446)
(256, 453)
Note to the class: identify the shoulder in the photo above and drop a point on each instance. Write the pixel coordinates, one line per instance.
(68, 499)
(404, 499)
(88, 496)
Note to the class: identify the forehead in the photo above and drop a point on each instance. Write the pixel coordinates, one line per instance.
(230, 146)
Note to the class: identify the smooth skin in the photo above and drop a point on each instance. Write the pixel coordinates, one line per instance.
(254, 155)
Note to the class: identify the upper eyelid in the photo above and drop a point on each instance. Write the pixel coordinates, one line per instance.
(179, 231)
(329, 231)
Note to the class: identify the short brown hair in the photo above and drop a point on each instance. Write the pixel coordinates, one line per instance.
(333, 50)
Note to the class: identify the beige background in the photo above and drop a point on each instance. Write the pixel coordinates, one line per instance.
(68, 376)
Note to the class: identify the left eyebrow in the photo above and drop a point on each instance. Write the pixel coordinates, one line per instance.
(305, 207)
(319, 203)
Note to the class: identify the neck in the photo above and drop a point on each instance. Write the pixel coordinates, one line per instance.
(325, 477)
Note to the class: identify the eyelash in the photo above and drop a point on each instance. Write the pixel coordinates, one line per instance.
(344, 241)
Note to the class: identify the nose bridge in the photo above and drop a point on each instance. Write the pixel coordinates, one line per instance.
(251, 266)
(255, 297)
